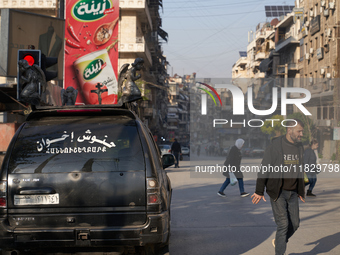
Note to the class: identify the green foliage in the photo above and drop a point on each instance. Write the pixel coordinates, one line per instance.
(142, 88)
(308, 131)
(274, 130)
(333, 156)
(320, 155)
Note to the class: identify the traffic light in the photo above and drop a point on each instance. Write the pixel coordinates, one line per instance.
(33, 57)
(33, 75)
(47, 62)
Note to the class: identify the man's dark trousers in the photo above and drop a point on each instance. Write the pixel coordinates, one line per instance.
(286, 215)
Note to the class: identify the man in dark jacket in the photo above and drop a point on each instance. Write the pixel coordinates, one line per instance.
(176, 150)
(282, 175)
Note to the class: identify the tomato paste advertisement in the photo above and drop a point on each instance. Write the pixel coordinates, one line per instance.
(91, 50)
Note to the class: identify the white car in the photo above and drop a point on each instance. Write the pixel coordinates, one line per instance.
(164, 149)
(185, 151)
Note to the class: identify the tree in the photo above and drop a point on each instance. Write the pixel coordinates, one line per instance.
(277, 129)
(274, 128)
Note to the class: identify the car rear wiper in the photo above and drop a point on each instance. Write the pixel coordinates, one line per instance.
(39, 169)
(88, 164)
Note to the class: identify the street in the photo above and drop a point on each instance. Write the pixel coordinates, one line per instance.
(204, 223)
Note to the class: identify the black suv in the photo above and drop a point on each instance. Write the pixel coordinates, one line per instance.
(84, 179)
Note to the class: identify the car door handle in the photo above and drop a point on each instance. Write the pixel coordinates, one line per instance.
(27, 191)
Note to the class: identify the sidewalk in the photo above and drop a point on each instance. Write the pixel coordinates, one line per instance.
(204, 223)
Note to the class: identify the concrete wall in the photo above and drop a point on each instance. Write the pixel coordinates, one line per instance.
(7, 131)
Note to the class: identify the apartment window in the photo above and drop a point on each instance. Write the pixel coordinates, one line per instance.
(316, 43)
(321, 40)
(331, 113)
(302, 51)
(318, 113)
(325, 113)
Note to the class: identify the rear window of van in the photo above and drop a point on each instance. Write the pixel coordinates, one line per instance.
(57, 145)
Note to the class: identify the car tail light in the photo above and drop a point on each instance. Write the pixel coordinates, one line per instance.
(153, 193)
(3, 194)
(153, 199)
(169, 151)
(152, 183)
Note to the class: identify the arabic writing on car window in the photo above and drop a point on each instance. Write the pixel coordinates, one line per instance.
(88, 139)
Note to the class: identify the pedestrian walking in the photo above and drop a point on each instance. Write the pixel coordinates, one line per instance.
(234, 158)
(198, 150)
(310, 167)
(284, 188)
(177, 151)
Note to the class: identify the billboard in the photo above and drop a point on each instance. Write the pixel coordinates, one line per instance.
(91, 50)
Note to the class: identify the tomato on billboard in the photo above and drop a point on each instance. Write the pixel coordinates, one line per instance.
(91, 49)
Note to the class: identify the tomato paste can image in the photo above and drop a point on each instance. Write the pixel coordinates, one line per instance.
(95, 68)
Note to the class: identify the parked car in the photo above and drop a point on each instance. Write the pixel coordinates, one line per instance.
(164, 148)
(185, 151)
(246, 152)
(225, 151)
(78, 178)
(257, 152)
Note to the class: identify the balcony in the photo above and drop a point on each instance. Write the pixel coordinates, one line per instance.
(291, 67)
(172, 117)
(260, 56)
(172, 127)
(149, 112)
(260, 35)
(325, 123)
(136, 45)
(28, 4)
(136, 5)
(282, 44)
(241, 61)
(259, 75)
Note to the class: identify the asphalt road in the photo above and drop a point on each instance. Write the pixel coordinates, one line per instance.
(203, 223)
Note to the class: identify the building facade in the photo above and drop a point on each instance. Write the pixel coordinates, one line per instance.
(305, 54)
(140, 35)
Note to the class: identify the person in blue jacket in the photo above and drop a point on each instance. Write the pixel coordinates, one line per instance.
(310, 161)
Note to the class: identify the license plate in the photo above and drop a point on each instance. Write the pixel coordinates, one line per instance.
(50, 199)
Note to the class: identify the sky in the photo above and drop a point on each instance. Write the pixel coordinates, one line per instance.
(205, 36)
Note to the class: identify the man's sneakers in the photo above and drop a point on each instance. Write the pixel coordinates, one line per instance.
(221, 194)
(244, 194)
(273, 242)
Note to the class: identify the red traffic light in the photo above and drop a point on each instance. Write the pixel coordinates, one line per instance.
(30, 59)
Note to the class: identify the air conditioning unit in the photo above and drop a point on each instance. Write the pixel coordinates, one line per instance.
(329, 32)
(322, 71)
(326, 13)
(323, 3)
(328, 75)
(311, 50)
(331, 5)
(307, 56)
(139, 40)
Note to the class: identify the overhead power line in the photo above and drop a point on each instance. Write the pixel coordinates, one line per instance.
(215, 15)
